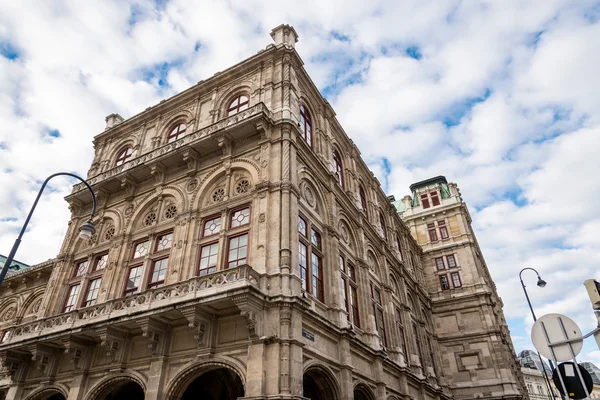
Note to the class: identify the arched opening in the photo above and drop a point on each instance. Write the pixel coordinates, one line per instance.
(318, 385)
(361, 392)
(127, 391)
(216, 384)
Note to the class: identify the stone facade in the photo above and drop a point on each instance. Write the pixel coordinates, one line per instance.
(477, 352)
(243, 250)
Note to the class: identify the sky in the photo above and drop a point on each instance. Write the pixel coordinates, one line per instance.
(501, 97)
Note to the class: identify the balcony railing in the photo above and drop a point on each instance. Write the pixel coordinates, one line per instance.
(180, 292)
(192, 138)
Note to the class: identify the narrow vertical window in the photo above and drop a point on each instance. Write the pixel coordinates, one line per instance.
(432, 233)
(238, 104)
(456, 282)
(71, 298)
(310, 259)
(439, 264)
(435, 200)
(451, 261)
(444, 282)
(382, 223)
(353, 295)
(305, 125)
(238, 250)
(92, 292)
(124, 156)
(159, 271)
(443, 229)
(134, 279)
(317, 277)
(178, 131)
(208, 259)
(363, 200)
(303, 265)
(378, 311)
(418, 342)
(339, 171)
(399, 244)
(401, 332)
(425, 201)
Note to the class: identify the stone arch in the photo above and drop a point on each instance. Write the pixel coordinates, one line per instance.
(46, 392)
(9, 309)
(346, 231)
(216, 174)
(115, 148)
(179, 116)
(30, 302)
(245, 87)
(320, 379)
(373, 258)
(303, 99)
(115, 217)
(363, 392)
(151, 201)
(322, 204)
(109, 383)
(191, 371)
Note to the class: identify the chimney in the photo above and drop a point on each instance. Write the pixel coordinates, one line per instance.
(284, 35)
(113, 120)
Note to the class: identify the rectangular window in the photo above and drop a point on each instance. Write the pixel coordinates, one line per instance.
(352, 272)
(71, 298)
(141, 249)
(240, 217)
(303, 266)
(159, 271)
(238, 251)
(81, 268)
(342, 263)
(451, 261)
(354, 306)
(208, 259)
(435, 200)
(425, 201)
(443, 229)
(134, 279)
(399, 244)
(302, 226)
(439, 263)
(444, 282)
(164, 242)
(432, 233)
(317, 277)
(92, 292)
(418, 343)
(211, 227)
(380, 324)
(401, 332)
(344, 292)
(456, 280)
(100, 262)
(315, 238)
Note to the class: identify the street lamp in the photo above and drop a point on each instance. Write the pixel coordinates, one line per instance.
(541, 283)
(85, 231)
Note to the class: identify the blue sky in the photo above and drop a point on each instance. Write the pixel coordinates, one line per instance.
(501, 97)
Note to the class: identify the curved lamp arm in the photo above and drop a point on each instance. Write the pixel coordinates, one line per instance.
(11, 256)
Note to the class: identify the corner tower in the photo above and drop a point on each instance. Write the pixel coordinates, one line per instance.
(477, 351)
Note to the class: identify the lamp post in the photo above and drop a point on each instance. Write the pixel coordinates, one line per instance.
(85, 231)
(541, 283)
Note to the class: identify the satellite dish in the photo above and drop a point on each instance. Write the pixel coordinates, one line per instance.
(558, 328)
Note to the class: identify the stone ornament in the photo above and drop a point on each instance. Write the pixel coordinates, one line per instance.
(110, 232)
(218, 195)
(243, 186)
(309, 196)
(171, 211)
(129, 210)
(191, 185)
(10, 313)
(150, 219)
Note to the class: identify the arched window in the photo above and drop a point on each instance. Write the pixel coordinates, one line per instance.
(238, 104)
(178, 131)
(382, 223)
(339, 171)
(363, 200)
(124, 156)
(306, 125)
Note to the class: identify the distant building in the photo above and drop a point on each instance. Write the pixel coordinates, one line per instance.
(16, 265)
(593, 370)
(531, 359)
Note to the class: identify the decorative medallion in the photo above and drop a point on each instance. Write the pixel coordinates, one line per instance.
(242, 186)
(10, 313)
(218, 195)
(192, 185)
(150, 219)
(110, 232)
(344, 233)
(171, 211)
(129, 210)
(262, 217)
(308, 195)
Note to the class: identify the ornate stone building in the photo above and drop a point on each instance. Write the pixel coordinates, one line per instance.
(243, 250)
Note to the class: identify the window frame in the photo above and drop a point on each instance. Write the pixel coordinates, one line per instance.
(442, 278)
(306, 121)
(86, 300)
(230, 217)
(401, 331)
(443, 229)
(74, 297)
(177, 135)
(311, 250)
(210, 219)
(453, 258)
(363, 200)
(432, 232)
(378, 312)
(239, 107)
(159, 283)
(123, 156)
(350, 285)
(425, 201)
(383, 225)
(339, 168)
(96, 260)
(227, 259)
(457, 275)
(136, 289)
(437, 264)
(435, 198)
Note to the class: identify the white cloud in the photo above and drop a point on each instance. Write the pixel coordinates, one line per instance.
(503, 100)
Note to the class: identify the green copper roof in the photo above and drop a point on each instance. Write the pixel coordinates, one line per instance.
(399, 205)
(18, 266)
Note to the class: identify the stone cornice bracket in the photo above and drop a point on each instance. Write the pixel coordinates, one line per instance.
(251, 310)
(11, 364)
(199, 323)
(192, 158)
(158, 171)
(43, 357)
(75, 205)
(226, 144)
(76, 349)
(154, 332)
(128, 183)
(263, 130)
(112, 341)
